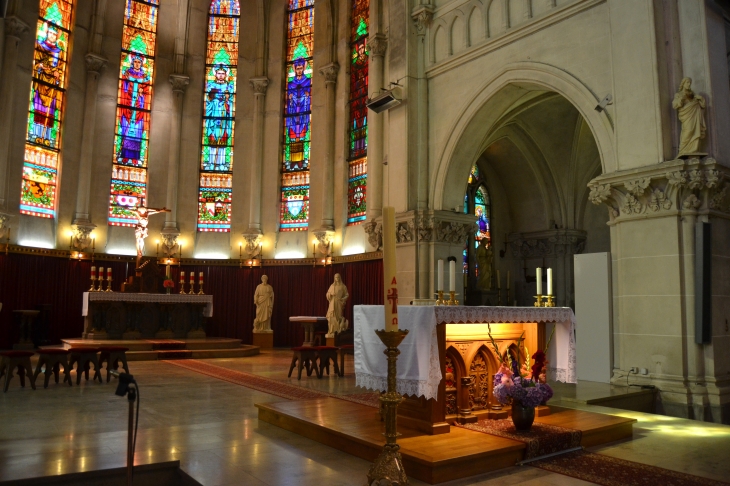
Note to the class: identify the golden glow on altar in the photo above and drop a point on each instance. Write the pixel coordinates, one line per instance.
(480, 331)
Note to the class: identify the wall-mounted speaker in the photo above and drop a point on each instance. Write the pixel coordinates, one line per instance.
(703, 283)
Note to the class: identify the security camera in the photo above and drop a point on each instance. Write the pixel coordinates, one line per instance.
(607, 100)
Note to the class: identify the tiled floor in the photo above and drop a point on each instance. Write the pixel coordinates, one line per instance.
(211, 427)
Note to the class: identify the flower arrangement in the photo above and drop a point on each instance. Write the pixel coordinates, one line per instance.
(511, 383)
(168, 283)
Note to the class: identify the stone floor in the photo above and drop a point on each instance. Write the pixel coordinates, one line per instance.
(211, 427)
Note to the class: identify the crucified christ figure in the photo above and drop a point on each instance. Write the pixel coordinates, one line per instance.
(140, 231)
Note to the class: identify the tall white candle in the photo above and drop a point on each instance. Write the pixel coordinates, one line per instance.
(508, 279)
(550, 281)
(441, 276)
(499, 281)
(452, 276)
(538, 276)
(390, 285)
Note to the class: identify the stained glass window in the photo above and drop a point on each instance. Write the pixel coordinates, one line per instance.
(134, 100)
(41, 163)
(358, 127)
(477, 201)
(219, 111)
(297, 117)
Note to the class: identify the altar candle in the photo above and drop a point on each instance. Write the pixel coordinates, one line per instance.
(499, 281)
(508, 279)
(452, 276)
(192, 278)
(200, 277)
(538, 277)
(182, 277)
(108, 273)
(240, 251)
(390, 285)
(93, 272)
(441, 276)
(550, 281)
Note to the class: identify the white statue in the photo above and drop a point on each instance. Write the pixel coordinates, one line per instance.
(337, 296)
(142, 214)
(263, 298)
(485, 257)
(690, 109)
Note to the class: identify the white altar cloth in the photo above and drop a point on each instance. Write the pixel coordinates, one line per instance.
(418, 364)
(139, 297)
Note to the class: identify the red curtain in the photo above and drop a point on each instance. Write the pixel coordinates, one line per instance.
(28, 280)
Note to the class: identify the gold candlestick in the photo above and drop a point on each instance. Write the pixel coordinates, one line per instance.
(182, 286)
(109, 284)
(388, 467)
(550, 301)
(93, 288)
(538, 302)
(192, 287)
(200, 284)
(452, 298)
(440, 300)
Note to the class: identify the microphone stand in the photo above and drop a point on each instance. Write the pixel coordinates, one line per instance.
(128, 386)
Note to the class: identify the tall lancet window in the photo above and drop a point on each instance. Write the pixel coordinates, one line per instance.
(47, 102)
(219, 110)
(358, 129)
(134, 100)
(297, 117)
(476, 202)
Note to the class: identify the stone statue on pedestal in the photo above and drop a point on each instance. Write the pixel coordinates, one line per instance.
(140, 230)
(485, 256)
(337, 296)
(263, 298)
(690, 109)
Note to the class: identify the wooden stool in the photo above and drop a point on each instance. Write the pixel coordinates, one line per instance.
(84, 357)
(9, 360)
(342, 351)
(304, 356)
(53, 359)
(112, 356)
(327, 354)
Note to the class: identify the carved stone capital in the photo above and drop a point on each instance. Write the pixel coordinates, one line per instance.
(374, 230)
(253, 244)
(259, 84)
(378, 44)
(14, 27)
(329, 72)
(425, 226)
(422, 16)
(4, 221)
(674, 186)
(555, 242)
(325, 238)
(81, 238)
(179, 82)
(94, 63)
(169, 241)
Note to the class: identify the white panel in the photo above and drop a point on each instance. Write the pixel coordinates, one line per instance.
(593, 316)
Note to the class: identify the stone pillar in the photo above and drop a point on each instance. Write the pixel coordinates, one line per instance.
(328, 189)
(259, 85)
(653, 212)
(378, 44)
(170, 231)
(421, 17)
(14, 29)
(82, 220)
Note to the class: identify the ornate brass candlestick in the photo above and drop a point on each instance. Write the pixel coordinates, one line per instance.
(388, 467)
(192, 287)
(200, 284)
(109, 284)
(182, 286)
(550, 301)
(440, 300)
(538, 301)
(452, 298)
(93, 288)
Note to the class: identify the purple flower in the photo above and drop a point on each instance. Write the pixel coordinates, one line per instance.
(501, 393)
(498, 378)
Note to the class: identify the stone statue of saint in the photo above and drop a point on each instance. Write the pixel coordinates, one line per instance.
(690, 109)
(263, 298)
(337, 296)
(140, 230)
(484, 264)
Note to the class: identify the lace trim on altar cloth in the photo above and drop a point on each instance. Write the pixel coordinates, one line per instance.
(466, 314)
(404, 387)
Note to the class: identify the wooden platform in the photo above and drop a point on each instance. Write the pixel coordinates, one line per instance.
(357, 430)
(153, 349)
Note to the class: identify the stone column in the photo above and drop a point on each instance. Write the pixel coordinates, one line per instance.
(328, 189)
(14, 29)
(378, 44)
(82, 221)
(421, 17)
(259, 85)
(170, 231)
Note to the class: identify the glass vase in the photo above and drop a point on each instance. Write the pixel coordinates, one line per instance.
(522, 416)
